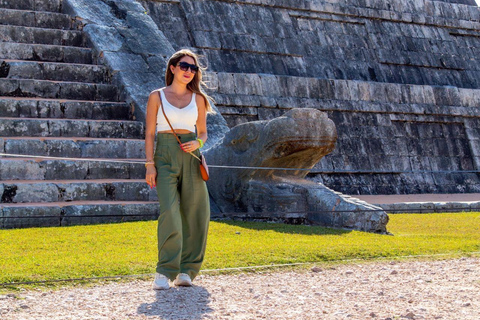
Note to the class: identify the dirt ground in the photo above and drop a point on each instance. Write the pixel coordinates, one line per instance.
(444, 289)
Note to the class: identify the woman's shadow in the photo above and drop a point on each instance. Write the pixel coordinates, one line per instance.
(178, 303)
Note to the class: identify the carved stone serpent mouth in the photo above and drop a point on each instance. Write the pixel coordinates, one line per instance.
(260, 185)
(294, 145)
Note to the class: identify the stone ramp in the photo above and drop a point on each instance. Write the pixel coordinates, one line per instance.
(56, 101)
(424, 203)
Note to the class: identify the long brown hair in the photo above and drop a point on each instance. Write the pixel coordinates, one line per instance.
(197, 84)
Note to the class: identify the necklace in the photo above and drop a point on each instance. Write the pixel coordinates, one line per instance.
(182, 97)
(179, 101)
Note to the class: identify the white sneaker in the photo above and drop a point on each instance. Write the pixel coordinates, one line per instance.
(160, 282)
(183, 280)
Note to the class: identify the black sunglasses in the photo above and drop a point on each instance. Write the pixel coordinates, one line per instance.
(184, 67)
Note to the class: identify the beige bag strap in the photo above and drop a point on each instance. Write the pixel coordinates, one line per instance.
(173, 131)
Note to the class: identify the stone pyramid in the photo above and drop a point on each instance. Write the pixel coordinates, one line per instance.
(400, 79)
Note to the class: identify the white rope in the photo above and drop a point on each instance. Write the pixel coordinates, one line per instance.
(238, 167)
(341, 260)
(70, 159)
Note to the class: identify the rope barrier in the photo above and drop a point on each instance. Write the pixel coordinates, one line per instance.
(419, 210)
(393, 211)
(237, 268)
(81, 217)
(311, 170)
(70, 159)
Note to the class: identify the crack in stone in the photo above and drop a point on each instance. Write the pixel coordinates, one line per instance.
(117, 12)
(62, 109)
(9, 193)
(110, 191)
(4, 69)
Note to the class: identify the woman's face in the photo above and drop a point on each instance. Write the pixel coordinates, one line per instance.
(181, 75)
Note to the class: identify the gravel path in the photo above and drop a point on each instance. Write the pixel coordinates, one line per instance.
(448, 289)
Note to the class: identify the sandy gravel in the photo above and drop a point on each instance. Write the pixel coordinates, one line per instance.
(448, 289)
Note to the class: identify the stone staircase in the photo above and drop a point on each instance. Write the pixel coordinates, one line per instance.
(56, 101)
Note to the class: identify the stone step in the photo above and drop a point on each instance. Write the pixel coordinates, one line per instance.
(13, 127)
(70, 109)
(20, 34)
(75, 147)
(75, 213)
(45, 52)
(36, 5)
(38, 19)
(13, 191)
(36, 169)
(19, 69)
(58, 89)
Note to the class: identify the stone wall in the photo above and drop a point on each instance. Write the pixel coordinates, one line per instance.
(417, 42)
(384, 130)
(399, 78)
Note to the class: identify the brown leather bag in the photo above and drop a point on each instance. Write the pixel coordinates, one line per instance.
(203, 163)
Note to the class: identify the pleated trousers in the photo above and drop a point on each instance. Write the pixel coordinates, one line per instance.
(184, 208)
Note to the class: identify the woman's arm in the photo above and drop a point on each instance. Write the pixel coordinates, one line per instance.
(150, 130)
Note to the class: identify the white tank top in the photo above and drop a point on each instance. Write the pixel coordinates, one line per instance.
(184, 118)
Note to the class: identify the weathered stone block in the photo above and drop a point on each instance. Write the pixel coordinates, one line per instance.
(270, 85)
(226, 83)
(82, 191)
(133, 130)
(106, 92)
(67, 54)
(51, 20)
(63, 148)
(74, 110)
(141, 212)
(30, 216)
(64, 169)
(35, 147)
(91, 214)
(21, 170)
(138, 191)
(50, 5)
(205, 39)
(108, 170)
(102, 129)
(68, 128)
(36, 192)
(103, 149)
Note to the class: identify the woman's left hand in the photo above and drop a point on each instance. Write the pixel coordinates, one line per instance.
(190, 146)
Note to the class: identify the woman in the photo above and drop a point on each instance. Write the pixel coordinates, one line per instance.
(182, 194)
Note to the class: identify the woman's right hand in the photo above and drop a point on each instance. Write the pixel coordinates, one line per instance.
(151, 176)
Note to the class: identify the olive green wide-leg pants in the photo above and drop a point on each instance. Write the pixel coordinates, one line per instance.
(184, 208)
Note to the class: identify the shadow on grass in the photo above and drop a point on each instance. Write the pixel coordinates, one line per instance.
(285, 228)
(178, 303)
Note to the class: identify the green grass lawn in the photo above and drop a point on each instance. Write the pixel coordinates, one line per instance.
(130, 248)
